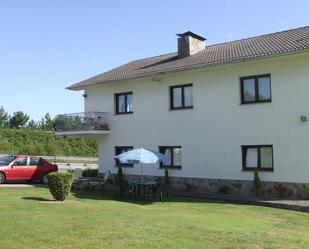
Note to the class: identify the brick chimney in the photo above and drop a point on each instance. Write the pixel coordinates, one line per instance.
(190, 44)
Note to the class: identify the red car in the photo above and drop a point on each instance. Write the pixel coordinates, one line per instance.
(25, 168)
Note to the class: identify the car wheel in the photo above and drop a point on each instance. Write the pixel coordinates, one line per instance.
(44, 179)
(2, 178)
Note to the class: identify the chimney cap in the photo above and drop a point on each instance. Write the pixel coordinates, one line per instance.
(189, 33)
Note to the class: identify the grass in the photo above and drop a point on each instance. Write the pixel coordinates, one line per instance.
(30, 219)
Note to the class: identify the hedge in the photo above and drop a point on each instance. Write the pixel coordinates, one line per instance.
(59, 184)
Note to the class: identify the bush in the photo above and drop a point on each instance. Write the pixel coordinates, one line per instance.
(257, 181)
(306, 186)
(59, 184)
(90, 173)
(166, 177)
(37, 142)
(224, 190)
(120, 173)
(282, 190)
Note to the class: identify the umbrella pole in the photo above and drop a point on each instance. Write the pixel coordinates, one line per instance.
(142, 173)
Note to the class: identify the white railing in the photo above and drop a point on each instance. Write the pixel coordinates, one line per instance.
(83, 121)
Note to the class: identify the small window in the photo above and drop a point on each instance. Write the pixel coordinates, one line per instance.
(6, 160)
(181, 97)
(257, 157)
(21, 161)
(34, 161)
(174, 155)
(255, 89)
(124, 103)
(120, 150)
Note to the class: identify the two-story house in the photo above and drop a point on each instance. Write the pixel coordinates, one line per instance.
(218, 111)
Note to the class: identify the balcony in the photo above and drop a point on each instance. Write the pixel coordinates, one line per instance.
(82, 124)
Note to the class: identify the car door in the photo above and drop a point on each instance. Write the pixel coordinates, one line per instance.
(18, 169)
(34, 169)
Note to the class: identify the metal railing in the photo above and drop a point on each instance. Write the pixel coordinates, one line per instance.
(83, 121)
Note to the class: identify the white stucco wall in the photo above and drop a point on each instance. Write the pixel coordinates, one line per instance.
(211, 134)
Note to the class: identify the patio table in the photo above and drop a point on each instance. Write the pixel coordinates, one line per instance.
(141, 187)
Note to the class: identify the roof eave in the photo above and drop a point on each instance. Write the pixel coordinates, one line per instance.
(193, 67)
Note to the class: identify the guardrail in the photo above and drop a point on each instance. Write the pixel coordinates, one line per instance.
(82, 121)
(70, 159)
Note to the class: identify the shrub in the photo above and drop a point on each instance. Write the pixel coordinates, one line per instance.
(59, 184)
(90, 173)
(256, 180)
(120, 173)
(224, 190)
(282, 190)
(37, 142)
(166, 177)
(189, 187)
(306, 186)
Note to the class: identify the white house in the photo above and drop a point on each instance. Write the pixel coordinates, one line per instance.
(219, 111)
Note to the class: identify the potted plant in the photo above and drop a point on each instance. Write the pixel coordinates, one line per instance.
(120, 173)
(166, 177)
(257, 184)
(306, 187)
(282, 190)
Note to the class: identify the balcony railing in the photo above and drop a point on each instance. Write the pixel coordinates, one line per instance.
(82, 122)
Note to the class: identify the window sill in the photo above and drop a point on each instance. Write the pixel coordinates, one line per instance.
(256, 102)
(125, 165)
(258, 169)
(123, 113)
(170, 167)
(181, 108)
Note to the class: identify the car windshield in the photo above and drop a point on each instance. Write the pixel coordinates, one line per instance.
(6, 160)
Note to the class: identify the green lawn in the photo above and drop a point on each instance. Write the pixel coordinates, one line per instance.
(29, 219)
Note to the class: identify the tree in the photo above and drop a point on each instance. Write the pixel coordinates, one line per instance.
(46, 123)
(4, 118)
(18, 120)
(49, 122)
(33, 125)
(256, 180)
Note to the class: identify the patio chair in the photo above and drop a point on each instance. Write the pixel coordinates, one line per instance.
(105, 179)
(125, 189)
(162, 189)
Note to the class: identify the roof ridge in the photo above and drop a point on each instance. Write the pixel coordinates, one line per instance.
(271, 44)
(155, 56)
(252, 37)
(222, 43)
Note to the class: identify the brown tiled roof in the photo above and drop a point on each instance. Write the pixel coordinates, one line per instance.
(265, 45)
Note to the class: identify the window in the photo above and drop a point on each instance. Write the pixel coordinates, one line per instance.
(34, 161)
(6, 160)
(181, 97)
(22, 161)
(120, 150)
(257, 157)
(255, 89)
(124, 103)
(174, 155)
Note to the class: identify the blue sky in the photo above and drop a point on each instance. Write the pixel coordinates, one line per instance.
(48, 45)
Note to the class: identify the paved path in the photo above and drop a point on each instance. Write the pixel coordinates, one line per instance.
(297, 205)
(21, 185)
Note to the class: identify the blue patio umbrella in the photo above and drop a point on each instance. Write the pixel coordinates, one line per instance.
(142, 156)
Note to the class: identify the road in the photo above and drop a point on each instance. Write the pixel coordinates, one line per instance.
(71, 163)
(72, 166)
